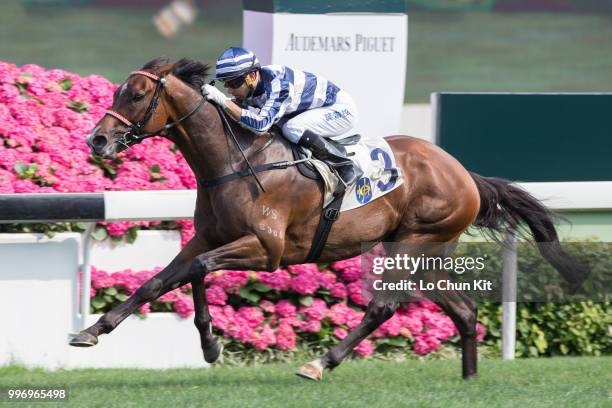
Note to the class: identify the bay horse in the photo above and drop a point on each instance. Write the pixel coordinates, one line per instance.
(437, 202)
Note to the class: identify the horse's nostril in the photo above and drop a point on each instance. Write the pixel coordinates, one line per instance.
(99, 142)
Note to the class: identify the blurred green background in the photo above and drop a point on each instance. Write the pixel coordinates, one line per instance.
(454, 45)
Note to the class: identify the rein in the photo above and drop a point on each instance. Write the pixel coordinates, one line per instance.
(250, 170)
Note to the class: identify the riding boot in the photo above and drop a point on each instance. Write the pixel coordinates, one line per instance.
(334, 155)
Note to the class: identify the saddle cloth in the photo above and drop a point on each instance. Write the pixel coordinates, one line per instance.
(380, 174)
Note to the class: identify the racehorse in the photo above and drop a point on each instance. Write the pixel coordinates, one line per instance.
(438, 202)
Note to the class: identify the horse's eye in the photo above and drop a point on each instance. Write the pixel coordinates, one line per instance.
(138, 97)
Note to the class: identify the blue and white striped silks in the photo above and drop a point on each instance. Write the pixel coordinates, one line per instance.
(283, 92)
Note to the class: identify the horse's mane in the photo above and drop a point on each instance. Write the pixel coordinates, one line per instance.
(193, 73)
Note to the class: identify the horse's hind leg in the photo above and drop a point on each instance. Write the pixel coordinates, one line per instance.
(176, 274)
(380, 309)
(456, 304)
(376, 314)
(463, 312)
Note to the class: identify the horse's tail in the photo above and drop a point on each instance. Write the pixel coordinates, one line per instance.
(503, 205)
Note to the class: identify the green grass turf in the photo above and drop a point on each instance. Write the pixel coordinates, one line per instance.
(554, 382)
(447, 51)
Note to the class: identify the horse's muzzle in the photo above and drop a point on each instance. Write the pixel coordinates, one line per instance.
(100, 145)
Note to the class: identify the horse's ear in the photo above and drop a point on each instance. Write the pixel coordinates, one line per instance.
(165, 69)
(160, 66)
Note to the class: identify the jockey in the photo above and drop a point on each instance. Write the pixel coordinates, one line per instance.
(312, 108)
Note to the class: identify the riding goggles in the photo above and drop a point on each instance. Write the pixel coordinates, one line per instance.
(233, 83)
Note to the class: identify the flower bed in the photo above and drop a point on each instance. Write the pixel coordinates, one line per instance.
(281, 309)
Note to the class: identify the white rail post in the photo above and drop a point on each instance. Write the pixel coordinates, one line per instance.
(509, 257)
(86, 274)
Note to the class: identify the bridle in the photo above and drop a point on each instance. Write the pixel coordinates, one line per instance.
(134, 134)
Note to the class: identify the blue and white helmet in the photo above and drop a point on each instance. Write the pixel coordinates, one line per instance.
(235, 62)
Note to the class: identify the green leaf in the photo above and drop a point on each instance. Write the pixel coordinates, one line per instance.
(122, 297)
(66, 83)
(110, 291)
(248, 295)
(396, 341)
(541, 344)
(98, 303)
(22, 90)
(108, 299)
(81, 225)
(20, 169)
(155, 174)
(260, 287)
(131, 235)
(109, 170)
(25, 171)
(306, 300)
(79, 107)
(99, 233)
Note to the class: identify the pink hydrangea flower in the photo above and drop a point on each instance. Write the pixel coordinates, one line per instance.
(267, 306)
(350, 269)
(338, 314)
(183, 306)
(338, 290)
(145, 309)
(100, 279)
(285, 337)
(365, 348)
(340, 333)
(356, 293)
(285, 308)
(231, 281)
(481, 332)
(312, 326)
(278, 279)
(263, 337)
(316, 311)
(215, 295)
(251, 316)
(306, 283)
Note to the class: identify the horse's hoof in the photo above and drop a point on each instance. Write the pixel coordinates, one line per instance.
(312, 371)
(211, 354)
(84, 339)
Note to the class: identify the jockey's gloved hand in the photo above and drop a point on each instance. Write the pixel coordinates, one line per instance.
(213, 94)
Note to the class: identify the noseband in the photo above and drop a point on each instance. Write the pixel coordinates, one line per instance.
(135, 133)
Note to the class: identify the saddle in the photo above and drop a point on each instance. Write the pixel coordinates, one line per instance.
(306, 169)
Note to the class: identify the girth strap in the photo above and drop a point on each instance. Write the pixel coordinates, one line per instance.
(328, 216)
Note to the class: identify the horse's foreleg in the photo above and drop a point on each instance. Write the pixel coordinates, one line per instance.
(376, 314)
(176, 274)
(210, 346)
(244, 253)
